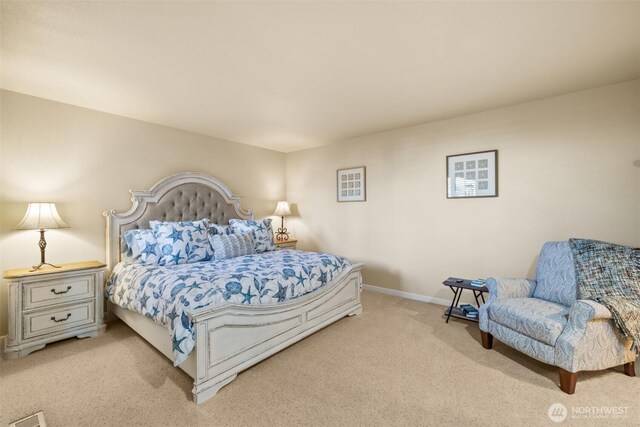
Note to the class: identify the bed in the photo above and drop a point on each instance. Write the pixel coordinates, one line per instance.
(232, 337)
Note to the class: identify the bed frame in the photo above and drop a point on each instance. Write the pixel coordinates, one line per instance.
(229, 338)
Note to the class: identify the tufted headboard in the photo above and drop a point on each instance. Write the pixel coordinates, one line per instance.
(187, 196)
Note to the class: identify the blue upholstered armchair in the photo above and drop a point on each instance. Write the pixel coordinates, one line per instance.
(543, 319)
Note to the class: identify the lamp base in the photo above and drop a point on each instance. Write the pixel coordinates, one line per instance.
(282, 235)
(37, 267)
(42, 243)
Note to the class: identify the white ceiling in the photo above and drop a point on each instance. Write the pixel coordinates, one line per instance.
(294, 75)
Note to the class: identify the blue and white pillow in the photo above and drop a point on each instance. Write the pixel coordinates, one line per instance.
(262, 232)
(232, 245)
(219, 229)
(141, 246)
(182, 242)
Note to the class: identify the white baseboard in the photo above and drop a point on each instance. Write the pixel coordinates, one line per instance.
(407, 295)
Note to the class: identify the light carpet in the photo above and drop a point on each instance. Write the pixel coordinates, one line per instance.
(396, 364)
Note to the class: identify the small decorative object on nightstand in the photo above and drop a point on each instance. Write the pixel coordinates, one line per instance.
(50, 304)
(288, 244)
(41, 216)
(282, 210)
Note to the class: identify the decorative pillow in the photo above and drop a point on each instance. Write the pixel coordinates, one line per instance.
(219, 229)
(140, 246)
(262, 232)
(232, 245)
(182, 242)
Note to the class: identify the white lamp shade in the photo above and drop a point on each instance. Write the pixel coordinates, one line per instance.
(282, 209)
(41, 216)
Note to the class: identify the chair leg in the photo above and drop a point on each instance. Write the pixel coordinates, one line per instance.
(629, 369)
(568, 381)
(487, 340)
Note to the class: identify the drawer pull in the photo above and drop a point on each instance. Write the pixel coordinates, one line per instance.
(60, 320)
(61, 292)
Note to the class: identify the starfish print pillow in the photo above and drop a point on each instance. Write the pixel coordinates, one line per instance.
(182, 242)
(140, 246)
(262, 232)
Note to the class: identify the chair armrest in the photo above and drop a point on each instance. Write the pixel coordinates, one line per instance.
(583, 311)
(507, 287)
(503, 288)
(590, 341)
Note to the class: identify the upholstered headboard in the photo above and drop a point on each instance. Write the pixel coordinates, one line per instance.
(187, 196)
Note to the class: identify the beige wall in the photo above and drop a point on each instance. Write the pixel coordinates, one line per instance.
(86, 162)
(566, 169)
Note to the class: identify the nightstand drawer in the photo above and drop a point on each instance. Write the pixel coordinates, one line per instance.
(57, 291)
(286, 244)
(48, 321)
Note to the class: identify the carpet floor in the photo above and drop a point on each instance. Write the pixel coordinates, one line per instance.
(396, 364)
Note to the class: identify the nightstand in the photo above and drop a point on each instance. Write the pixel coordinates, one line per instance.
(52, 304)
(286, 244)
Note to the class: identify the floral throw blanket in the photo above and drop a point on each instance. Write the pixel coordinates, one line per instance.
(610, 274)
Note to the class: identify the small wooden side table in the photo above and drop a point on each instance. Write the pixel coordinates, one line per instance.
(51, 304)
(457, 285)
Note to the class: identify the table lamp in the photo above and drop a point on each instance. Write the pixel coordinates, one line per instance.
(41, 216)
(282, 210)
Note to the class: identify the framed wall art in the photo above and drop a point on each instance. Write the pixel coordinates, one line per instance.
(472, 175)
(352, 184)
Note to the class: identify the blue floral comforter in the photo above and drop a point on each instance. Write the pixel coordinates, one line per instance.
(166, 294)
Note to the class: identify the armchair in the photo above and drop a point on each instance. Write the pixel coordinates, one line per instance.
(543, 319)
